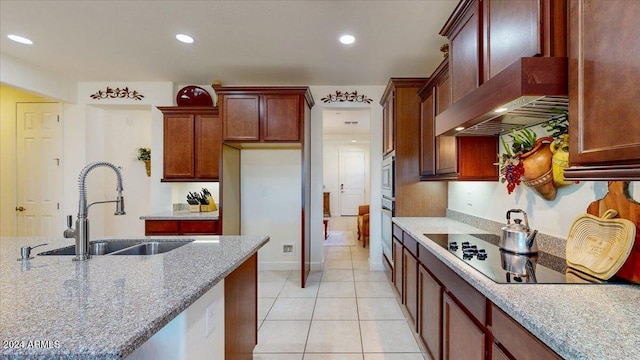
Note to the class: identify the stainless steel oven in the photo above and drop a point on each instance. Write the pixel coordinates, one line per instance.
(388, 174)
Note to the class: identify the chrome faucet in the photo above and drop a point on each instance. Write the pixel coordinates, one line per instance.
(81, 232)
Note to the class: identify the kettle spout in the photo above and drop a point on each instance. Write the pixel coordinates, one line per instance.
(531, 238)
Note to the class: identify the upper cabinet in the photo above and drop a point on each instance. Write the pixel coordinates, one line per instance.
(604, 111)
(504, 54)
(264, 114)
(400, 115)
(192, 143)
(451, 157)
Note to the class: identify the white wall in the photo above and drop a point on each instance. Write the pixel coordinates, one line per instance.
(375, 143)
(271, 188)
(16, 73)
(490, 200)
(333, 145)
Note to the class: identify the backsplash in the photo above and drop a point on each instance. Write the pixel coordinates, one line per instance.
(489, 200)
(547, 243)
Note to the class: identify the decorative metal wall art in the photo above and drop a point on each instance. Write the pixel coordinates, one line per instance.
(116, 93)
(340, 96)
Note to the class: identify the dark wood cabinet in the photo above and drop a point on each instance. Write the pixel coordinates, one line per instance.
(388, 125)
(398, 266)
(603, 90)
(430, 312)
(451, 157)
(410, 278)
(241, 310)
(262, 114)
(182, 227)
(461, 337)
(192, 143)
(516, 340)
(464, 35)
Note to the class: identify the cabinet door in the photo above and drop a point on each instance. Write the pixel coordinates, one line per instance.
(443, 91)
(281, 118)
(464, 56)
(241, 117)
(161, 227)
(497, 353)
(461, 337)
(512, 32)
(179, 130)
(388, 126)
(427, 136)
(410, 285)
(446, 155)
(429, 312)
(603, 82)
(397, 266)
(208, 148)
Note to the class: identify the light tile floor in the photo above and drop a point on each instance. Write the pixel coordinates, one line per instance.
(345, 313)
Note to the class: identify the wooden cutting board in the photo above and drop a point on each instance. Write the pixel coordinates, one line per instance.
(618, 199)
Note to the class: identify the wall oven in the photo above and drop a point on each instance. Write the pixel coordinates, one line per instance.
(388, 174)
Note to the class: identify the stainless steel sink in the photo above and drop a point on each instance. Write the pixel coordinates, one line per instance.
(152, 248)
(95, 247)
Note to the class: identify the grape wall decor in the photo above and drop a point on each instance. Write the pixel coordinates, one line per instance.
(117, 93)
(340, 96)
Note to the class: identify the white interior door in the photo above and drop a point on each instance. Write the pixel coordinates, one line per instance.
(352, 181)
(38, 169)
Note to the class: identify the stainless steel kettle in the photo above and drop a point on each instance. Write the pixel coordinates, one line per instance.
(518, 238)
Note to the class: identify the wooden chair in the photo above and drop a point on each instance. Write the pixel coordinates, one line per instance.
(363, 224)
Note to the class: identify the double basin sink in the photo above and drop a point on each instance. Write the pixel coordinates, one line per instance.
(122, 247)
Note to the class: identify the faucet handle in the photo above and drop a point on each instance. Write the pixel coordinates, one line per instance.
(69, 221)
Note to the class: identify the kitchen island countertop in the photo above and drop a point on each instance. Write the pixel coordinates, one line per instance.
(582, 321)
(106, 307)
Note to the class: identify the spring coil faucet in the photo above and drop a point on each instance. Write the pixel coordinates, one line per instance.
(81, 232)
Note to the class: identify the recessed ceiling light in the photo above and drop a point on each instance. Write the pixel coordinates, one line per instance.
(347, 39)
(459, 128)
(353, 141)
(501, 110)
(184, 38)
(20, 39)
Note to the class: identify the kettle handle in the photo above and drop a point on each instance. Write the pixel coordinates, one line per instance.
(524, 214)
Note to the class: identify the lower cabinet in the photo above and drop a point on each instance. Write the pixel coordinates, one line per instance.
(241, 310)
(452, 318)
(461, 337)
(511, 338)
(182, 227)
(430, 312)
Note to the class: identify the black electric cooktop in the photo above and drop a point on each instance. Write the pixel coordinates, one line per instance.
(481, 252)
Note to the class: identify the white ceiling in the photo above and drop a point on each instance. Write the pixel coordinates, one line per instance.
(346, 121)
(238, 42)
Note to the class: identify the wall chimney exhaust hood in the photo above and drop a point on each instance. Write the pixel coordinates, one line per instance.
(522, 95)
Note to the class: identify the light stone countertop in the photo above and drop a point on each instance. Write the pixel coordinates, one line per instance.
(577, 321)
(108, 306)
(182, 215)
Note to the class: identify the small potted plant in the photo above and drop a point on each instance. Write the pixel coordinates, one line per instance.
(144, 154)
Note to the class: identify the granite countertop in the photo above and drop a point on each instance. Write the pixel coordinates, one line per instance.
(182, 215)
(577, 321)
(104, 308)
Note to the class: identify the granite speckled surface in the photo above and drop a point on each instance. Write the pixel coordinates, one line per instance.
(104, 308)
(577, 321)
(182, 215)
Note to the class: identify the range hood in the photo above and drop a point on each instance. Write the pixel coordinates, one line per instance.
(525, 94)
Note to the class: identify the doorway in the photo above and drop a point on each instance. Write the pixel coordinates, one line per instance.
(346, 169)
(38, 168)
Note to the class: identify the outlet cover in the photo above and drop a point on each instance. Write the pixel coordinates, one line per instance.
(287, 249)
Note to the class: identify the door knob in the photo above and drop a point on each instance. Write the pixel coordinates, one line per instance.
(20, 208)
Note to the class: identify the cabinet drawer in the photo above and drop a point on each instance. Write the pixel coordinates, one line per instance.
(199, 227)
(162, 227)
(411, 244)
(516, 339)
(467, 295)
(397, 232)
